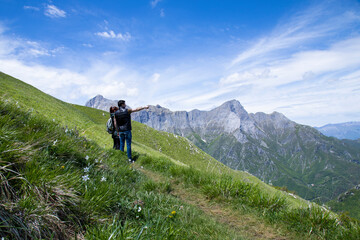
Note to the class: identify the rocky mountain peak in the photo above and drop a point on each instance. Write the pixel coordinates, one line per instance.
(100, 102)
(232, 106)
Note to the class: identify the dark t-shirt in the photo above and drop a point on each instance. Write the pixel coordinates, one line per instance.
(123, 120)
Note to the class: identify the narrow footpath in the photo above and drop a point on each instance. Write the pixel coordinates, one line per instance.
(247, 225)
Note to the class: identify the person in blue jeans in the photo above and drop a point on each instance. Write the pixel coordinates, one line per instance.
(123, 126)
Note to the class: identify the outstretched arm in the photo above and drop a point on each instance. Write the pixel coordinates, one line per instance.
(137, 109)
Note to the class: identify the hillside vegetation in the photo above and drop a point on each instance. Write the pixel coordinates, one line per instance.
(60, 179)
(347, 202)
(270, 146)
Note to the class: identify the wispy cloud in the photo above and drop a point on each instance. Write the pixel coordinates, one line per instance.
(31, 8)
(72, 86)
(301, 30)
(54, 12)
(24, 49)
(89, 45)
(154, 3)
(111, 34)
(162, 12)
(155, 77)
(299, 68)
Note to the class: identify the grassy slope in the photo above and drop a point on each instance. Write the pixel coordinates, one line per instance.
(347, 202)
(56, 184)
(91, 124)
(172, 152)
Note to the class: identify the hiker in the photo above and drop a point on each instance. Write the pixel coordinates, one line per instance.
(114, 133)
(123, 127)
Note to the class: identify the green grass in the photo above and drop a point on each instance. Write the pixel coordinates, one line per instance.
(347, 203)
(60, 179)
(311, 221)
(57, 184)
(90, 123)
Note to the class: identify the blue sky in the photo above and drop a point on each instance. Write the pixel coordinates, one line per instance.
(300, 58)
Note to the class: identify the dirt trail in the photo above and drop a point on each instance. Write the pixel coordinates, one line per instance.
(248, 226)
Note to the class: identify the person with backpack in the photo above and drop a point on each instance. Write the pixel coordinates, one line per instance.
(111, 127)
(123, 125)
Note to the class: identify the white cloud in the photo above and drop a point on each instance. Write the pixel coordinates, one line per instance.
(31, 8)
(111, 34)
(245, 77)
(89, 45)
(71, 86)
(18, 58)
(307, 68)
(154, 3)
(155, 77)
(54, 12)
(55, 81)
(24, 49)
(301, 30)
(313, 87)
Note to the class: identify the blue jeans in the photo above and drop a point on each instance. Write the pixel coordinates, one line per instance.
(126, 136)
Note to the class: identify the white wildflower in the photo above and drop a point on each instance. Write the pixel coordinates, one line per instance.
(142, 167)
(53, 119)
(96, 160)
(139, 209)
(103, 179)
(87, 169)
(55, 142)
(87, 157)
(85, 178)
(66, 130)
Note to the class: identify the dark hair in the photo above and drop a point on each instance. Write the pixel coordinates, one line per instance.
(121, 102)
(113, 109)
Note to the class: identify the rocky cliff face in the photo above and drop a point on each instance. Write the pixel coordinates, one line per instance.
(230, 118)
(100, 102)
(269, 146)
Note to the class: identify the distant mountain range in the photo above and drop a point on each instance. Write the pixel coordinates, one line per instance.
(348, 130)
(269, 146)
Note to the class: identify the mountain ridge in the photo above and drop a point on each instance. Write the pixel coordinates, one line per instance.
(346, 130)
(270, 146)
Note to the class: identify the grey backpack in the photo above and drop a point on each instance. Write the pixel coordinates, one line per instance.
(110, 126)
